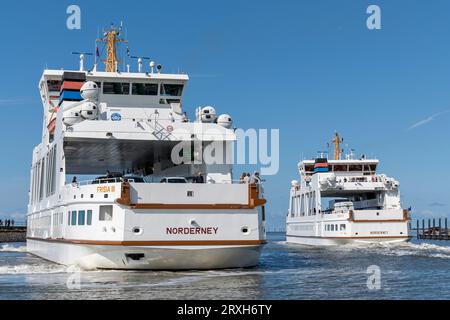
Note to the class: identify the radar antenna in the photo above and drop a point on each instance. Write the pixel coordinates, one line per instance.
(111, 37)
(337, 146)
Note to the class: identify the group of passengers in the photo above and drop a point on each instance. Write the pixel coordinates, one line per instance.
(8, 223)
(253, 179)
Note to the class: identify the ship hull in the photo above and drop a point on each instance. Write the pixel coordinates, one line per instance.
(322, 241)
(89, 257)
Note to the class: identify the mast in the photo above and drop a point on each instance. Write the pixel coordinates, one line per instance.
(111, 37)
(337, 146)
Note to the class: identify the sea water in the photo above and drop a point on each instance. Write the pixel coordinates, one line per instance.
(403, 271)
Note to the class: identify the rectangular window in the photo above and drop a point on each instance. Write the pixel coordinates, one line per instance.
(74, 218)
(116, 88)
(343, 227)
(145, 89)
(355, 168)
(89, 218)
(106, 213)
(173, 90)
(68, 218)
(42, 177)
(54, 85)
(81, 217)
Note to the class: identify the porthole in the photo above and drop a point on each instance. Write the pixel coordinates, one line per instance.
(137, 231)
(245, 230)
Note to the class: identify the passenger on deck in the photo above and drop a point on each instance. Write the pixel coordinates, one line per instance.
(12, 223)
(1, 223)
(199, 178)
(246, 177)
(241, 179)
(74, 181)
(256, 179)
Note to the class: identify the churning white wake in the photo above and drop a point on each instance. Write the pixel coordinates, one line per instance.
(10, 248)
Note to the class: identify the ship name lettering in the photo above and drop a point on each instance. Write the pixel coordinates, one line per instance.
(198, 230)
(105, 189)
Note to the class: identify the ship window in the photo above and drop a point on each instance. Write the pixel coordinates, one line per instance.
(89, 217)
(81, 217)
(106, 213)
(145, 89)
(343, 226)
(373, 167)
(74, 218)
(174, 90)
(116, 88)
(169, 101)
(339, 167)
(54, 85)
(356, 168)
(302, 205)
(68, 218)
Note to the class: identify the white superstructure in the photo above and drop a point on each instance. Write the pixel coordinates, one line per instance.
(344, 201)
(97, 197)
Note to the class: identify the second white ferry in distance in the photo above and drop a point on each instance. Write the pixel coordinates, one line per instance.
(343, 201)
(105, 191)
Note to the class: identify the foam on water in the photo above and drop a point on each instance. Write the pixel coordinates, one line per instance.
(33, 269)
(401, 249)
(9, 248)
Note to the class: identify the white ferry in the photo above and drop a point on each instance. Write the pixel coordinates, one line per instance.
(344, 201)
(105, 191)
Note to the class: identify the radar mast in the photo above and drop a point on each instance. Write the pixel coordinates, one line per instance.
(111, 37)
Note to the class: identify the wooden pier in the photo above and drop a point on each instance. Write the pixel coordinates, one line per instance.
(432, 229)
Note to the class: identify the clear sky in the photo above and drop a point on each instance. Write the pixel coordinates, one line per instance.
(306, 67)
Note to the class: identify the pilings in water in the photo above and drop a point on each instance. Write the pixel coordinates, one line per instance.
(433, 231)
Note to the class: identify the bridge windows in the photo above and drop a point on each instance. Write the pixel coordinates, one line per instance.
(122, 88)
(174, 90)
(145, 89)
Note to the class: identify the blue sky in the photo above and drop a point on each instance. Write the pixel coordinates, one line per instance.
(305, 67)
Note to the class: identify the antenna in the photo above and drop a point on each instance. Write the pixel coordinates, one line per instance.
(82, 56)
(140, 59)
(337, 146)
(112, 37)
